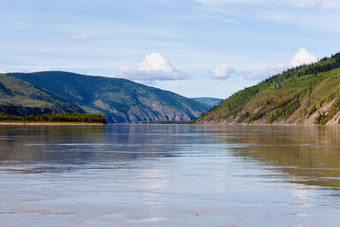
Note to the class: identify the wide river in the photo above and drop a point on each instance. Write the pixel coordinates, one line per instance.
(169, 175)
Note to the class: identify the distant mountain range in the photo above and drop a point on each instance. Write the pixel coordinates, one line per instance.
(305, 95)
(20, 98)
(121, 100)
(210, 102)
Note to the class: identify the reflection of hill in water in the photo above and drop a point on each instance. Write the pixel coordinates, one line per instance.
(310, 154)
(71, 145)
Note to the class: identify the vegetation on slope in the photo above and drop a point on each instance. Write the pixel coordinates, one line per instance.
(119, 99)
(308, 94)
(56, 117)
(21, 98)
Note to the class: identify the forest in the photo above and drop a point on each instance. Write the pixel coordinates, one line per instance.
(56, 117)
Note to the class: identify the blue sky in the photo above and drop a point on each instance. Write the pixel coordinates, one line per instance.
(192, 47)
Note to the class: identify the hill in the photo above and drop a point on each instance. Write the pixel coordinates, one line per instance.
(210, 102)
(20, 98)
(304, 95)
(120, 100)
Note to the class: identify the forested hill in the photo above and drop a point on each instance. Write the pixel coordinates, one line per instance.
(120, 100)
(305, 95)
(20, 98)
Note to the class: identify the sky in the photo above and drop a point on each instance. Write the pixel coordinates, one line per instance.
(196, 48)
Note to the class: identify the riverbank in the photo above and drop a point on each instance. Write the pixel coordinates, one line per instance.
(49, 123)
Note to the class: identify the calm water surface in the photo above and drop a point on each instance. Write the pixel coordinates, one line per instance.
(169, 175)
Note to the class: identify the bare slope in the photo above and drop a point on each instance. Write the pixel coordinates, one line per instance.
(305, 95)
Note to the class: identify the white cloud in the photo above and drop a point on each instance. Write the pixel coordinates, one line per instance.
(302, 57)
(327, 4)
(230, 1)
(331, 4)
(40, 68)
(153, 67)
(222, 71)
(80, 37)
(2, 71)
(322, 14)
(303, 3)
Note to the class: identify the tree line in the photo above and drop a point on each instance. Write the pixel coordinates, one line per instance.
(56, 117)
(323, 65)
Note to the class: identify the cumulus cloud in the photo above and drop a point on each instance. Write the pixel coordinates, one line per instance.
(80, 37)
(153, 67)
(222, 71)
(302, 57)
(40, 68)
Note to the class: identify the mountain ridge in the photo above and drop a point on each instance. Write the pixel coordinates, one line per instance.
(209, 101)
(121, 100)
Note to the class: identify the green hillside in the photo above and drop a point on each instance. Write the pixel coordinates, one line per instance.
(208, 101)
(304, 95)
(119, 99)
(20, 98)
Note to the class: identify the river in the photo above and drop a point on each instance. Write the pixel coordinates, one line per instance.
(169, 175)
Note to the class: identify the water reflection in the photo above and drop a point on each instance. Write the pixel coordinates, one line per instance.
(310, 154)
(75, 145)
